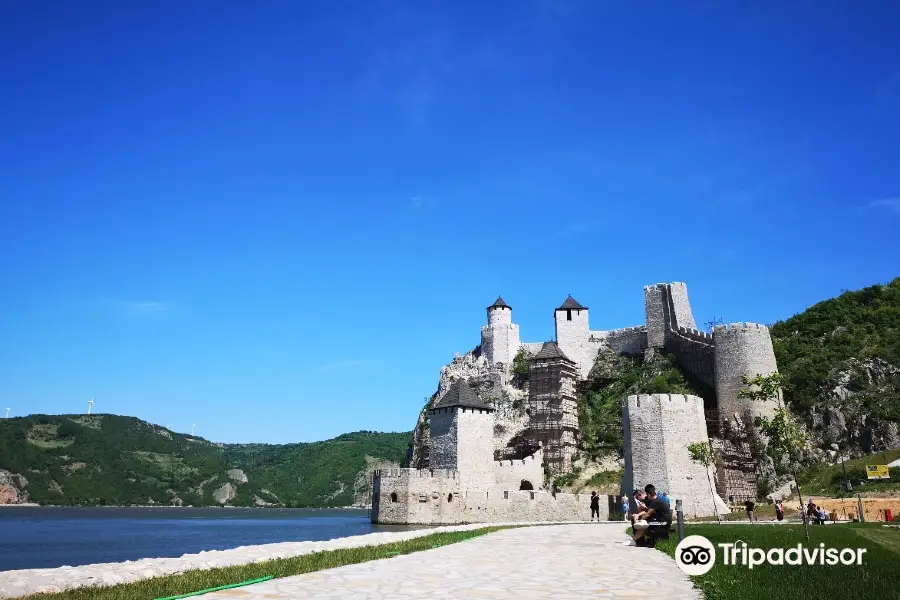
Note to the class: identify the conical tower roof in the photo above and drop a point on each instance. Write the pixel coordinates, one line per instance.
(550, 350)
(460, 394)
(571, 303)
(499, 303)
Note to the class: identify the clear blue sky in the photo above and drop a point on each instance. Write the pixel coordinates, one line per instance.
(278, 220)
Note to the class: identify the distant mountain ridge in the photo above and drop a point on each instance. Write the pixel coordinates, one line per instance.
(113, 460)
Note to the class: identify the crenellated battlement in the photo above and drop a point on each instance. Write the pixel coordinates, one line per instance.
(416, 474)
(695, 335)
(673, 401)
(519, 462)
(627, 330)
(720, 329)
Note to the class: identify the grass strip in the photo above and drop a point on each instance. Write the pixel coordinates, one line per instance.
(216, 589)
(877, 577)
(183, 583)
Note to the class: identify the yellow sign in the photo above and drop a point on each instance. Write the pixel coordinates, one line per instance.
(878, 472)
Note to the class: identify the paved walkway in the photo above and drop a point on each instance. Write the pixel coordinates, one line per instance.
(559, 561)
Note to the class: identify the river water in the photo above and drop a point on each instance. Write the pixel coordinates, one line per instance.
(39, 537)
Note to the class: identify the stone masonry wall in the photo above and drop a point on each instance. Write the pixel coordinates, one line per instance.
(654, 308)
(682, 316)
(742, 349)
(694, 351)
(509, 474)
(475, 447)
(573, 338)
(442, 441)
(630, 340)
(658, 429)
(416, 497)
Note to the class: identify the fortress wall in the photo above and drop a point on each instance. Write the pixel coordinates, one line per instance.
(742, 349)
(475, 447)
(441, 501)
(394, 491)
(655, 310)
(442, 440)
(532, 347)
(630, 340)
(680, 307)
(695, 352)
(658, 429)
(509, 474)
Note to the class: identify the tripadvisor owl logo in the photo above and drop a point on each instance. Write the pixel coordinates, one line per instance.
(695, 555)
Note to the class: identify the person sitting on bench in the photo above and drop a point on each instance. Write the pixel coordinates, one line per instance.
(657, 514)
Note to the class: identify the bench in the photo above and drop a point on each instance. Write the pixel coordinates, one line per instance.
(657, 530)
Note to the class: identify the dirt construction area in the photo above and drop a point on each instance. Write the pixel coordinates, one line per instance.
(873, 508)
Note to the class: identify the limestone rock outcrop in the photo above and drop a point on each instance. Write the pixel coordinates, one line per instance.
(224, 493)
(850, 415)
(12, 488)
(237, 476)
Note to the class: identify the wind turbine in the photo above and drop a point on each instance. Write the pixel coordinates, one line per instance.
(90, 405)
(7, 413)
(193, 429)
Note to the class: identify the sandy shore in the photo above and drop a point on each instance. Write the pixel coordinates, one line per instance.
(29, 581)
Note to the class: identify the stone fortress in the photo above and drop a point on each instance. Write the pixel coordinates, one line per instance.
(457, 477)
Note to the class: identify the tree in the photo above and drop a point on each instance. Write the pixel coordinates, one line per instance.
(702, 452)
(784, 439)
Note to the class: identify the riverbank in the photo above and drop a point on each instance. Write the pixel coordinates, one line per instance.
(272, 506)
(31, 581)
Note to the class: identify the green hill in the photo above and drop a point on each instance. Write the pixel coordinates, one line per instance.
(831, 335)
(117, 460)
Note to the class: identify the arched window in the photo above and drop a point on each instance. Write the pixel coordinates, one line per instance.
(393, 496)
(450, 497)
(526, 485)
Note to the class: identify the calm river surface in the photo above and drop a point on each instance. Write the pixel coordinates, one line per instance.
(38, 537)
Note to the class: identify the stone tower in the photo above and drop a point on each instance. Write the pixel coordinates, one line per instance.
(462, 436)
(667, 308)
(500, 337)
(573, 333)
(657, 430)
(742, 349)
(552, 407)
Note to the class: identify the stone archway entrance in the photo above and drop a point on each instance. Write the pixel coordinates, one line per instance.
(526, 485)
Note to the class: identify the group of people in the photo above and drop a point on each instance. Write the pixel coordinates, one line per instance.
(650, 510)
(816, 513)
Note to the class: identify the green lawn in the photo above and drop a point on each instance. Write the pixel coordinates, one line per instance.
(878, 577)
(827, 479)
(174, 585)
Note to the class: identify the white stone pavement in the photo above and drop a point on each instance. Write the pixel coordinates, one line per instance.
(563, 562)
(29, 581)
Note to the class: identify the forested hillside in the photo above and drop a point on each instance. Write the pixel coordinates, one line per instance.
(116, 460)
(841, 358)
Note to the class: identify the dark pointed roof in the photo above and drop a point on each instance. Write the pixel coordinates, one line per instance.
(571, 303)
(460, 394)
(499, 303)
(549, 350)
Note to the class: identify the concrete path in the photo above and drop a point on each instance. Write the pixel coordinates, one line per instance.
(557, 561)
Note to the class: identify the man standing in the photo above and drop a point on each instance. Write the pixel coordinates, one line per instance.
(779, 510)
(595, 506)
(750, 505)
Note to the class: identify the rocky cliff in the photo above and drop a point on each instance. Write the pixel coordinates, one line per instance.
(12, 488)
(494, 384)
